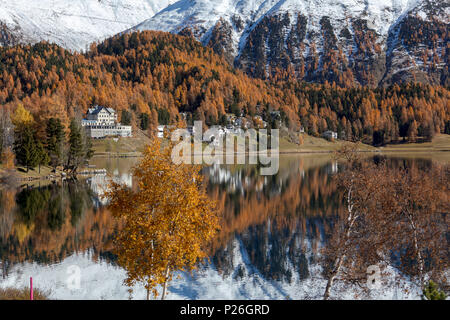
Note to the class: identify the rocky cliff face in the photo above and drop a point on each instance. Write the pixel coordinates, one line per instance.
(349, 42)
(417, 45)
(8, 36)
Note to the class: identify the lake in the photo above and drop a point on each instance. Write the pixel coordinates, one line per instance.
(268, 247)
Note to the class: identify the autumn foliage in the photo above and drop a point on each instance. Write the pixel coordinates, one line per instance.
(394, 217)
(168, 221)
(157, 76)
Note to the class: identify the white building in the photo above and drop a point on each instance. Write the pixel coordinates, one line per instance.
(330, 135)
(101, 122)
(161, 129)
(101, 115)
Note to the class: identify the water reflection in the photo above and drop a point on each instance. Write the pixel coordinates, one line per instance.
(277, 223)
(280, 220)
(46, 224)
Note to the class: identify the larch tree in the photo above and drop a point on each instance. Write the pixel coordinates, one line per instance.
(168, 221)
(21, 116)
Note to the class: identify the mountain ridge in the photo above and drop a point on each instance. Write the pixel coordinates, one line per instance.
(305, 38)
(349, 42)
(72, 25)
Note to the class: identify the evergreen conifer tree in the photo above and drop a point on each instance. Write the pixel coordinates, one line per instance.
(80, 147)
(25, 146)
(55, 141)
(432, 292)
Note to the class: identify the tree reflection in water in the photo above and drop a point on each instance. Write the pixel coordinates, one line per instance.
(279, 222)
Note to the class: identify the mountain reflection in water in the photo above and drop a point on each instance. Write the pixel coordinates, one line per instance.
(280, 221)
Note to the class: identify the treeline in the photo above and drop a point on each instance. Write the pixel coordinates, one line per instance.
(151, 77)
(377, 116)
(22, 142)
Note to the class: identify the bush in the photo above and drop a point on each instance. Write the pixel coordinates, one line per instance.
(432, 292)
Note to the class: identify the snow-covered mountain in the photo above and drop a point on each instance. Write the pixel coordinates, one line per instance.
(367, 42)
(245, 15)
(71, 24)
(348, 41)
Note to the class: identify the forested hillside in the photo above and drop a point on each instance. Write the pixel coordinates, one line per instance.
(162, 75)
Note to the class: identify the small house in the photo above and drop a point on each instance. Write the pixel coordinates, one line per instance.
(330, 135)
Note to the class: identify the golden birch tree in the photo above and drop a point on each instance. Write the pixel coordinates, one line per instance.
(168, 220)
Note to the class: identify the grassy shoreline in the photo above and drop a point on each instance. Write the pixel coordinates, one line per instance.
(133, 148)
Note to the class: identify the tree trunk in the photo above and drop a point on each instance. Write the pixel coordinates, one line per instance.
(333, 276)
(148, 294)
(416, 247)
(340, 259)
(165, 285)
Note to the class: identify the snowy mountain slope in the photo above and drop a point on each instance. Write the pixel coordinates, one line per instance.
(203, 14)
(345, 41)
(71, 24)
(365, 42)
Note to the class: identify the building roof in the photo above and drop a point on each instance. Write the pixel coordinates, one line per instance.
(97, 109)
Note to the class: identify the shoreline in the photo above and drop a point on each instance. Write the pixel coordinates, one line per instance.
(84, 174)
(377, 150)
(438, 146)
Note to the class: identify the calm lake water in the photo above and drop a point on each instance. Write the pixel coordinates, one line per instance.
(274, 227)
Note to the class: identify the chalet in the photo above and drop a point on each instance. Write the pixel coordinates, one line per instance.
(101, 122)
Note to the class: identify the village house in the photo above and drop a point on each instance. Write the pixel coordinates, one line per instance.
(160, 132)
(330, 135)
(163, 128)
(101, 122)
